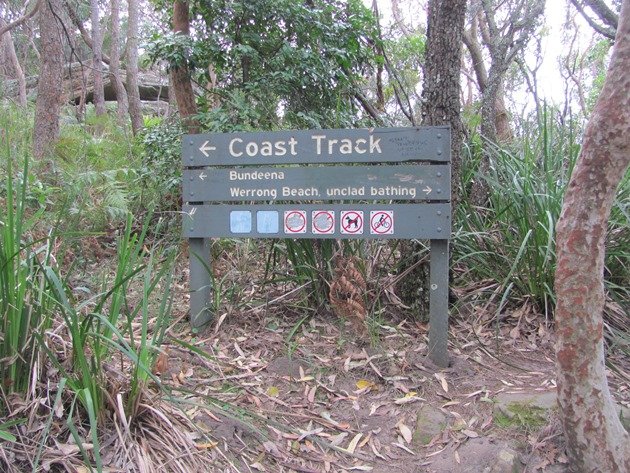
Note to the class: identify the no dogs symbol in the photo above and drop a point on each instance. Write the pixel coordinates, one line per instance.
(352, 222)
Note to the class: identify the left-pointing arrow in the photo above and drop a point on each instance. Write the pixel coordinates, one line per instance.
(202, 175)
(205, 147)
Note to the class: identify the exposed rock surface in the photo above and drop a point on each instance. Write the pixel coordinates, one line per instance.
(78, 80)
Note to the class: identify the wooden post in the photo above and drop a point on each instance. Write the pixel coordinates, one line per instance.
(200, 282)
(438, 303)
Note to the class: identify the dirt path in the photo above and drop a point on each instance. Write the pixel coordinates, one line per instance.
(308, 395)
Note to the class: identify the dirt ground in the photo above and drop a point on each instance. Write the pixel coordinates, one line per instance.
(295, 390)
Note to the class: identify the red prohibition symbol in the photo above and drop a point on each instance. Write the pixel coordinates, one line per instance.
(295, 221)
(323, 221)
(352, 222)
(382, 223)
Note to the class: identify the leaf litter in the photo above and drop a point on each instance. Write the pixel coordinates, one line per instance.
(247, 400)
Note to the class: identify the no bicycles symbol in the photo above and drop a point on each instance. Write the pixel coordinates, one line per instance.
(323, 222)
(352, 222)
(382, 222)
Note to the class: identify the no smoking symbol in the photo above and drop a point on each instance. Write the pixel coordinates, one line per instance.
(323, 222)
(382, 222)
(352, 222)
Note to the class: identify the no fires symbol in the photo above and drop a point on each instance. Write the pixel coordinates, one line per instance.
(352, 222)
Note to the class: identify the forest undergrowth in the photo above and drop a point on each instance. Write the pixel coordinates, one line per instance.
(99, 370)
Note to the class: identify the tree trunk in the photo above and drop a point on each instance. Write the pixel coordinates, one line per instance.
(180, 75)
(114, 63)
(441, 88)
(596, 439)
(133, 94)
(49, 88)
(6, 43)
(440, 106)
(97, 60)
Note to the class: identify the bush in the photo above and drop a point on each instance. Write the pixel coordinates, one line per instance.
(511, 242)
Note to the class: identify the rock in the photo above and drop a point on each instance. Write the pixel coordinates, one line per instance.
(525, 409)
(507, 461)
(430, 421)
(152, 86)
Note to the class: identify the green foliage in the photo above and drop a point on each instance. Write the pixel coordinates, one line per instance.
(24, 300)
(159, 176)
(512, 241)
(96, 172)
(281, 64)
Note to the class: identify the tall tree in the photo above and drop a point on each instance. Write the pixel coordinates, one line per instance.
(133, 93)
(440, 106)
(504, 41)
(442, 82)
(50, 85)
(97, 59)
(180, 74)
(114, 63)
(596, 439)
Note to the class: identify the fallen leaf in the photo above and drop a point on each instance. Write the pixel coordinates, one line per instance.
(470, 433)
(353, 443)
(442, 380)
(364, 384)
(311, 394)
(411, 396)
(206, 445)
(406, 432)
(273, 391)
(337, 439)
(457, 459)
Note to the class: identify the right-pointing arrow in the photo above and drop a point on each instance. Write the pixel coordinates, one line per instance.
(427, 190)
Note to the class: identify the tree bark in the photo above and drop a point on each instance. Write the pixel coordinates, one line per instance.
(97, 60)
(6, 43)
(441, 88)
(49, 88)
(114, 64)
(133, 94)
(596, 439)
(440, 106)
(180, 75)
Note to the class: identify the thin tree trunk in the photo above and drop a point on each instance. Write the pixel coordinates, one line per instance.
(180, 75)
(596, 439)
(97, 60)
(50, 85)
(133, 93)
(114, 64)
(6, 41)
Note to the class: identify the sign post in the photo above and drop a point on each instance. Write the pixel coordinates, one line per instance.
(382, 183)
